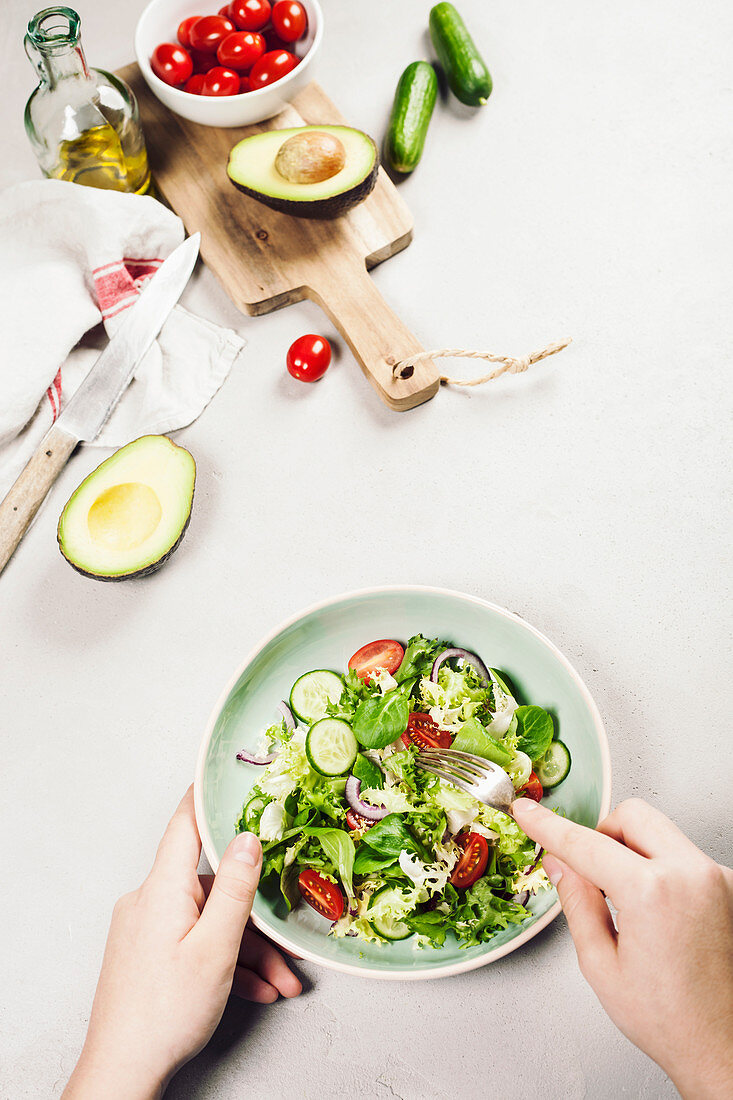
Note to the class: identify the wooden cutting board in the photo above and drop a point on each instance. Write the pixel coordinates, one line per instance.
(265, 260)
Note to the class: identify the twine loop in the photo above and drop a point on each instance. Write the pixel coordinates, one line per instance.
(509, 364)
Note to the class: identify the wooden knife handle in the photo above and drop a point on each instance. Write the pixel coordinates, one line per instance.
(375, 335)
(29, 491)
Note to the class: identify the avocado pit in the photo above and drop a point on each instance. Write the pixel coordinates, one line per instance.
(310, 157)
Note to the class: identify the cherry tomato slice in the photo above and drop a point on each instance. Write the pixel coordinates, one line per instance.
(289, 20)
(423, 732)
(250, 15)
(240, 50)
(386, 654)
(321, 894)
(171, 63)
(472, 863)
(308, 356)
(194, 84)
(356, 821)
(184, 30)
(209, 31)
(531, 789)
(272, 66)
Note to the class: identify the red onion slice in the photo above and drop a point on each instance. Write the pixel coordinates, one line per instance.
(351, 794)
(522, 898)
(255, 758)
(467, 657)
(287, 714)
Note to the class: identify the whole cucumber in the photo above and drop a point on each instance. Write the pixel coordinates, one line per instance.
(411, 113)
(468, 77)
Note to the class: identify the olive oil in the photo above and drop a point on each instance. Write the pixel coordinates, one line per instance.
(83, 123)
(101, 157)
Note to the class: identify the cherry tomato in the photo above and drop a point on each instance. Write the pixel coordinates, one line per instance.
(194, 85)
(531, 789)
(171, 63)
(240, 50)
(250, 15)
(184, 30)
(324, 896)
(272, 66)
(472, 863)
(244, 85)
(423, 732)
(273, 41)
(308, 357)
(202, 62)
(289, 20)
(220, 81)
(225, 12)
(384, 654)
(209, 31)
(356, 821)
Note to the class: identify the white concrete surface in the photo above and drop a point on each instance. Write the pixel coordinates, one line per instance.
(590, 198)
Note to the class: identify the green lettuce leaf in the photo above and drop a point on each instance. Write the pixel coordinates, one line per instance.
(381, 719)
(472, 737)
(535, 731)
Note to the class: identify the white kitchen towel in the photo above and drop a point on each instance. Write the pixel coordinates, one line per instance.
(70, 258)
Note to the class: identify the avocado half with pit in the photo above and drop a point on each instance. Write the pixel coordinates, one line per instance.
(308, 171)
(130, 514)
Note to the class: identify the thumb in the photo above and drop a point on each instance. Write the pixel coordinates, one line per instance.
(588, 917)
(229, 903)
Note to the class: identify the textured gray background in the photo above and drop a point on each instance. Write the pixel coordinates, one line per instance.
(591, 198)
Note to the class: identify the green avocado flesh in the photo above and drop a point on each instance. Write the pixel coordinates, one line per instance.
(130, 514)
(252, 169)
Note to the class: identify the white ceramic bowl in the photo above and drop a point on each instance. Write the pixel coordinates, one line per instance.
(159, 23)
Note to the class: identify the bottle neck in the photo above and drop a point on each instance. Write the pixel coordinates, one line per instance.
(53, 45)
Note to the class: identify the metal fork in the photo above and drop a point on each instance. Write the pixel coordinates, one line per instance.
(480, 778)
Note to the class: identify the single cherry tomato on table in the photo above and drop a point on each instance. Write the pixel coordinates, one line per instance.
(289, 20)
(209, 31)
(194, 85)
(308, 356)
(220, 81)
(321, 894)
(425, 733)
(171, 63)
(250, 15)
(356, 821)
(531, 789)
(472, 863)
(184, 30)
(272, 66)
(385, 654)
(240, 50)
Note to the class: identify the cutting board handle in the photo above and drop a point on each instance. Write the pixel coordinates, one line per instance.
(375, 335)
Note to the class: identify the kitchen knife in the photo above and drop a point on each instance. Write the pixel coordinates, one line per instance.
(90, 407)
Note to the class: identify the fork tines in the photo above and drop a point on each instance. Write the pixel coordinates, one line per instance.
(462, 768)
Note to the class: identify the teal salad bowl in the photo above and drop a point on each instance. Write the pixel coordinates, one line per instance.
(325, 636)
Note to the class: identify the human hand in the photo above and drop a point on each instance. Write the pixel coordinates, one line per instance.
(664, 973)
(172, 958)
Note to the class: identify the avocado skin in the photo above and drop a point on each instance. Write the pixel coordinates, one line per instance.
(321, 209)
(146, 572)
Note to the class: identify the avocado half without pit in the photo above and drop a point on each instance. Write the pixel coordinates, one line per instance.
(308, 171)
(130, 514)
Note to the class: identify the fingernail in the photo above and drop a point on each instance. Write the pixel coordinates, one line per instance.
(525, 804)
(553, 870)
(246, 849)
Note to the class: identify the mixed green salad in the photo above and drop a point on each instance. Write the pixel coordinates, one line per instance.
(351, 823)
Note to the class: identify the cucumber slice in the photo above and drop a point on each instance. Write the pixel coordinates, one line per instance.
(253, 812)
(312, 693)
(384, 924)
(554, 765)
(331, 747)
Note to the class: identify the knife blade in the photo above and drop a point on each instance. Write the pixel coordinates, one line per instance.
(89, 408)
